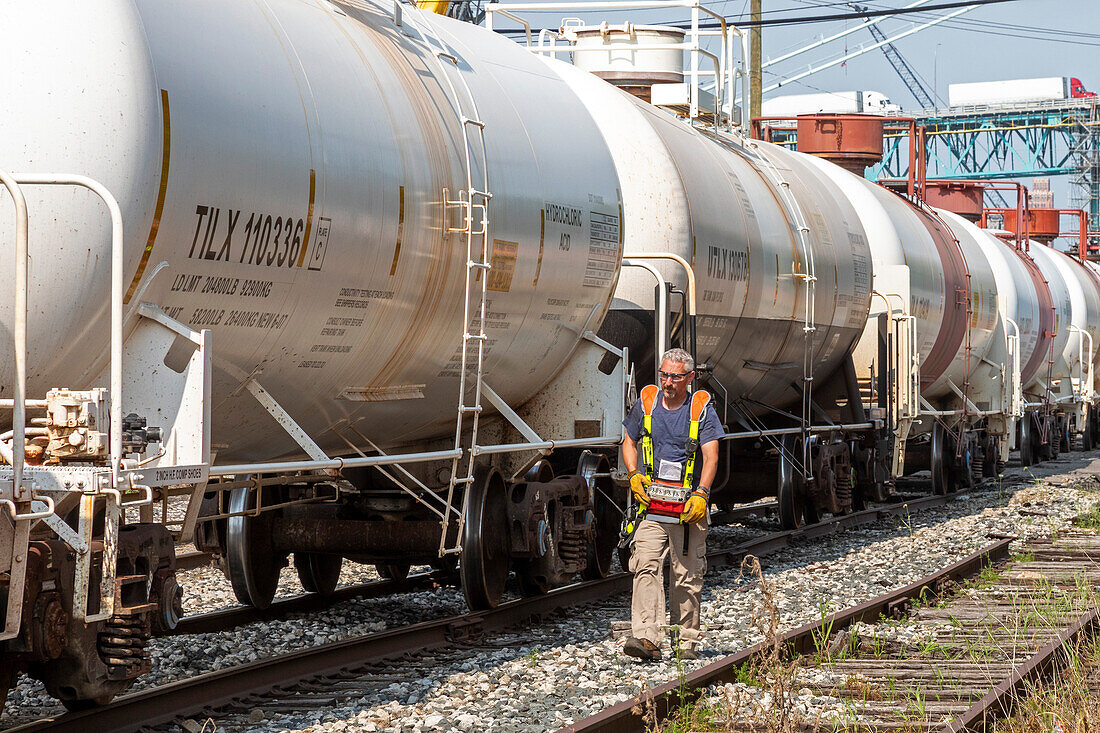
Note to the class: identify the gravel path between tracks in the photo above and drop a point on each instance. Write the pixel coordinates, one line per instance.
(570, 667)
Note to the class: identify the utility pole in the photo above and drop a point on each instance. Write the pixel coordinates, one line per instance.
(755, 77)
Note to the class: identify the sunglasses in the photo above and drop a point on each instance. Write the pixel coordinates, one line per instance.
(675, 377)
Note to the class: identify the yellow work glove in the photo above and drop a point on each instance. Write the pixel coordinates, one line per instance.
(695, 508)
(639, 482)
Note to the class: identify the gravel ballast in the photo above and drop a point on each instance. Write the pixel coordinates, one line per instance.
(570, 667)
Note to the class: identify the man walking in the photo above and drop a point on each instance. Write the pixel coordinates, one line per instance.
(673, 493)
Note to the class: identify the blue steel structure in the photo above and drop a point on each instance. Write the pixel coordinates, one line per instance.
(1060, 138)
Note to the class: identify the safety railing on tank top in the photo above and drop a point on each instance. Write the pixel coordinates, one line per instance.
(726, 74)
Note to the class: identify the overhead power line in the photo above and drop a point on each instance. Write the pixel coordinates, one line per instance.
(861, 14)
(823, 18)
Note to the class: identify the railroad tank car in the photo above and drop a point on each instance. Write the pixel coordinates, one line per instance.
(355, 230)
(712, 202)
(305, 182)
(310, 241)
(942, 272)
(1067, 383)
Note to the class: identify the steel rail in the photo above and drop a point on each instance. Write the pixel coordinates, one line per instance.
(194, 695)
(728, 516)
(229, 618)
(662, 700)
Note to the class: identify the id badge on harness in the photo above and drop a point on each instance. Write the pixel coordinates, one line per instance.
(667, 493)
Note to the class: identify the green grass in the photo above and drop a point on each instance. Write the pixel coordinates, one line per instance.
(1089, 519)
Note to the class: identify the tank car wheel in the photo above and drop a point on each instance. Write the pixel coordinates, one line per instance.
(1087, 437)
(990, 457)
(607, 517)
(1028, 440)
(253, 566)
(542, 472)
(393, 571)
(789, 498)
(485, 557)
(940, 460)
(318, 572)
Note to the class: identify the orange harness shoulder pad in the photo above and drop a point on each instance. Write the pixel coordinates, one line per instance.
(649, 398)
(699, 401)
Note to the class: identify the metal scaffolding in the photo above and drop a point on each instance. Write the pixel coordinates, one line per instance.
(1059, 138)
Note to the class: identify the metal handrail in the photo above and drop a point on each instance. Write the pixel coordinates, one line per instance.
(661, 315)
(1085, 389)
(1015, 407)
(13, 510)
(21, 285)
(19, 419)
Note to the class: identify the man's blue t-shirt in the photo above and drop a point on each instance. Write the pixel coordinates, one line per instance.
(670, 433)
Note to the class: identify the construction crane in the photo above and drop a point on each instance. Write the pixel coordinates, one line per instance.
(901, 66)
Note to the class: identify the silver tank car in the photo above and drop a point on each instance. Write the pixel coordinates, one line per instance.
(717, 204)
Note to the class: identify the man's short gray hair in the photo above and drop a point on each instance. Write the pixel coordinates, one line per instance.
(680, 357)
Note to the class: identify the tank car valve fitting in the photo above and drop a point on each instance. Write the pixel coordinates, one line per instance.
(169, 607)
(136, 437)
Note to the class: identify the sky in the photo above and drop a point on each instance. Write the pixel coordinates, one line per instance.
(1011, 40)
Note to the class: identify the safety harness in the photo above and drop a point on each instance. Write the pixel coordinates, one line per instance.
(667, 499)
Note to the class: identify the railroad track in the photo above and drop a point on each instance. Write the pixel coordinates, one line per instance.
(229, 618)
(978, 653)
(333, 664)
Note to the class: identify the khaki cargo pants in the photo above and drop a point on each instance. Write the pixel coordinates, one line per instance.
(653, 542)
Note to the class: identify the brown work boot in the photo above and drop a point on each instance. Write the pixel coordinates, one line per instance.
(643, 649)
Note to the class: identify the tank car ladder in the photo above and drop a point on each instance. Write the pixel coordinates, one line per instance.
(806, 271)
(471, 202)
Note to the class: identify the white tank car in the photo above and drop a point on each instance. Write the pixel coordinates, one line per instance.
(281, 168)
(1026, 302)
(1077, 314)
(715, 204)
(915, 257)
(1094, 271)
(1072, 307)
